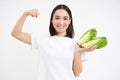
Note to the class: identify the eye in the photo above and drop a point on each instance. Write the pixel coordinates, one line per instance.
(65, 18)
(56, 18)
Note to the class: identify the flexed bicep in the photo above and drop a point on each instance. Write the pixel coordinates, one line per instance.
(17, 30)
(24, 37)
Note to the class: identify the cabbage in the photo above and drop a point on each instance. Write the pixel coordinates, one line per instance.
(89, 39)
(99, 42)
(87, 36)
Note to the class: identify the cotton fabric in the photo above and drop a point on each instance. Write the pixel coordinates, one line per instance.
(55, 57)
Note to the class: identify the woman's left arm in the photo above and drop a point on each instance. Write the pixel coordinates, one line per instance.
(77, 62)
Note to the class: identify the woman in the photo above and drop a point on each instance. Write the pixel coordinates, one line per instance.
(59, 59)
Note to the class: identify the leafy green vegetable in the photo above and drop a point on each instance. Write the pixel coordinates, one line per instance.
(87, 36)
(99, 42)
(89, 39)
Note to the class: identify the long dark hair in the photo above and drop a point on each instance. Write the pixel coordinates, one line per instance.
(70, 30)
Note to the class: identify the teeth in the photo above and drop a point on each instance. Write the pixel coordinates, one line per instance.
(60, 26)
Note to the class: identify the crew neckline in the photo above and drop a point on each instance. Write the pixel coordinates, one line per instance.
(62, 37)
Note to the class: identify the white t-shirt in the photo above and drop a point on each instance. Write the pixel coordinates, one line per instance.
(56, 56)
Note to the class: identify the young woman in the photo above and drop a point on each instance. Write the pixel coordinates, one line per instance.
(59, 58)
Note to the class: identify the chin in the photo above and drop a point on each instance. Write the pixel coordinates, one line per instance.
(61, 31)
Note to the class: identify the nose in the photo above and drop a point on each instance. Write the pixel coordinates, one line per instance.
(61, 22)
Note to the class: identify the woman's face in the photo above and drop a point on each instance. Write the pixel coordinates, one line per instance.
(61, 21)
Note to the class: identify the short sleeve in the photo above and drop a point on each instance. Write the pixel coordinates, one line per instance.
(83, 57)
(34, 42)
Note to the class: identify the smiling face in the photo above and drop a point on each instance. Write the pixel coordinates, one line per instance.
(61, 21)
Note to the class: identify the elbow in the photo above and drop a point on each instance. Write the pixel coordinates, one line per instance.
(13, 34)
(77, 71)
(77, 74)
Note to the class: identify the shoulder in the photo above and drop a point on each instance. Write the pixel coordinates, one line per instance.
(39, 37)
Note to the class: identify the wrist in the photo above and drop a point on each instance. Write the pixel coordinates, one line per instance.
(77, 53)
(25, 14)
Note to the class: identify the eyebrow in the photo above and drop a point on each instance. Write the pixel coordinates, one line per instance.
(59, 16)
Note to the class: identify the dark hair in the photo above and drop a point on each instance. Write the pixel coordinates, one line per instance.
(70, 30)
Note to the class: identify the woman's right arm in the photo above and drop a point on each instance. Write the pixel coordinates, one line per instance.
(17, 30)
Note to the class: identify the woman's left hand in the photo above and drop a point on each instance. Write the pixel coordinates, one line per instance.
(82, 49)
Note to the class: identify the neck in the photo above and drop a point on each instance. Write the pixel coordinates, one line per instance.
(61, 34)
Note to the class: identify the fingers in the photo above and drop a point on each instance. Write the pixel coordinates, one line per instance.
(79, 45)
(33, 12)
(92, 48)
(81, 49)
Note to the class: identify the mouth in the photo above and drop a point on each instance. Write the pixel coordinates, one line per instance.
(61, 27)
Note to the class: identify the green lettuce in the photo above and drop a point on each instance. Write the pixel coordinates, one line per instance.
(87, 36)
(89, 39)
(99, 42)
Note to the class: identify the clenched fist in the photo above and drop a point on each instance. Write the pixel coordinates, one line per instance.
(32, 12)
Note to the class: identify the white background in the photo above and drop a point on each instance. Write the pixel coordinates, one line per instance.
(19, 62)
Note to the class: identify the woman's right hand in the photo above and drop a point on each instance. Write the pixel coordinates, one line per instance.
(32, 12)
